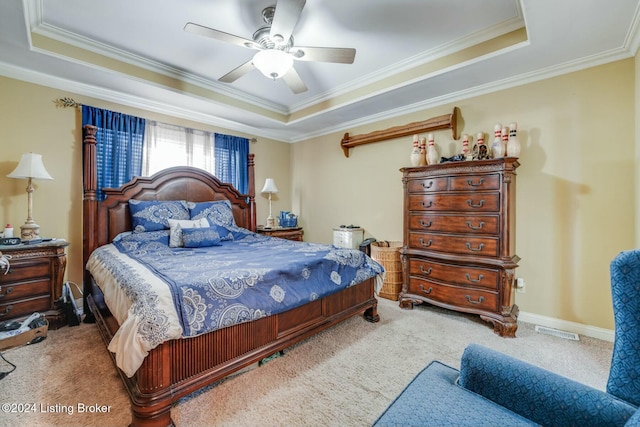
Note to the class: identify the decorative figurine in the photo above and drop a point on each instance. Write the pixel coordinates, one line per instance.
(423, 151)
(505, 139)
(415, 152)
(432, 151)
(483, 152)
(496, 148)
(467, 150)
(513, 144)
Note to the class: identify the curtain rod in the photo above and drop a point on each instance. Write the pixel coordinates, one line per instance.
(66, 103)
(71, 103)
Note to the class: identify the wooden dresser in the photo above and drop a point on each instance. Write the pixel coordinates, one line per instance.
(459, 239)
(34, 281)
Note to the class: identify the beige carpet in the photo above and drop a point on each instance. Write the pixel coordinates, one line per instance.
(345, 376)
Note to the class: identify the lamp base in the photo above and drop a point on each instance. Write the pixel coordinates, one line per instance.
(29, 231)
(270, 223)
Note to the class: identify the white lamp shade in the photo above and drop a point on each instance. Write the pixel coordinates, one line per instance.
(270, 186)
(273, 63)
(30, 166)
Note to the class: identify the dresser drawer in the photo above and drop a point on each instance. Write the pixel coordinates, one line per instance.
(481, 182)
(11, 309)
(472, 224)
(454, 274)
(475, 299)
(26, 269)
(466, 245)
(455, 202)
(16, 291)
(427, 185)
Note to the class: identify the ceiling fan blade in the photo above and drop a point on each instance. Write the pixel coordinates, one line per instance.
(201, 30)
(293, 80)
(285, 19)
(238, 72)
(342, 55)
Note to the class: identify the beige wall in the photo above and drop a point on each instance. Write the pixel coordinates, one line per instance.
(30, 121)
(575, 185)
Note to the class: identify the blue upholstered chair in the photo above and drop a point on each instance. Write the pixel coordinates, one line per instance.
(492, 389)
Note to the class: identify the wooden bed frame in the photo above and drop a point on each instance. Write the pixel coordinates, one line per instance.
(179, 367)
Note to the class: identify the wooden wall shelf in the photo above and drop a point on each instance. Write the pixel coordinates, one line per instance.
(446, 121)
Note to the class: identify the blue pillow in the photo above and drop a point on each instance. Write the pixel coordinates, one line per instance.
(153, 215)
(218, 212)
(201, 237)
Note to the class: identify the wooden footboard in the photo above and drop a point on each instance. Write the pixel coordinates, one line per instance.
(179, 367)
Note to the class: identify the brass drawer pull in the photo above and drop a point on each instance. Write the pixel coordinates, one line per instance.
(481, 182)
(480, 277)
(423, 271)
(6, 292)
(6, 310)
(479, 227)
(427, 186)
(425, 244)
(479, 248)
(424, 205)
(426, 291)
(480, 299)
(425, 224)
(479, 205)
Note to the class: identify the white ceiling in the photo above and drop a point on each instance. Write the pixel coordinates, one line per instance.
(136, 53)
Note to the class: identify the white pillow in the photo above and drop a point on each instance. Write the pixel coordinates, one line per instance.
(176, 226)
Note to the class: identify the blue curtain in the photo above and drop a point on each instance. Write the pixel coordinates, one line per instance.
(230, 154)
(118, 145)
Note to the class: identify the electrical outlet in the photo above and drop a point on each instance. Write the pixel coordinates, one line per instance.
(520, 285)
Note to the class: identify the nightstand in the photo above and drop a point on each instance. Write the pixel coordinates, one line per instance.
(34, 281)
(289, 233)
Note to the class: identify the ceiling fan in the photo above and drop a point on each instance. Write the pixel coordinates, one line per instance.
(275, 46)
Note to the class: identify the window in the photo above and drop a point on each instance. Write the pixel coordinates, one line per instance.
(168, 145)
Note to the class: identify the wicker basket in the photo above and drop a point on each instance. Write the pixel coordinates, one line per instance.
(388, 254)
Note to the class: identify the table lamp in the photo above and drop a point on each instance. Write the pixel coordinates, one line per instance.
(269, 187)
(30, 167)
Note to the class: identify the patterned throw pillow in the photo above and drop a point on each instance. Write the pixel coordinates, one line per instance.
(153, 215)
(218, 212)
(201, 237)
(161, 237)
(177, 226)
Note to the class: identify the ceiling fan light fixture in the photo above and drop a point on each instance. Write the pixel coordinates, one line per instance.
(273, 63)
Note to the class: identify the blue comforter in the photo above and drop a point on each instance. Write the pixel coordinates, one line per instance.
(246, 278)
